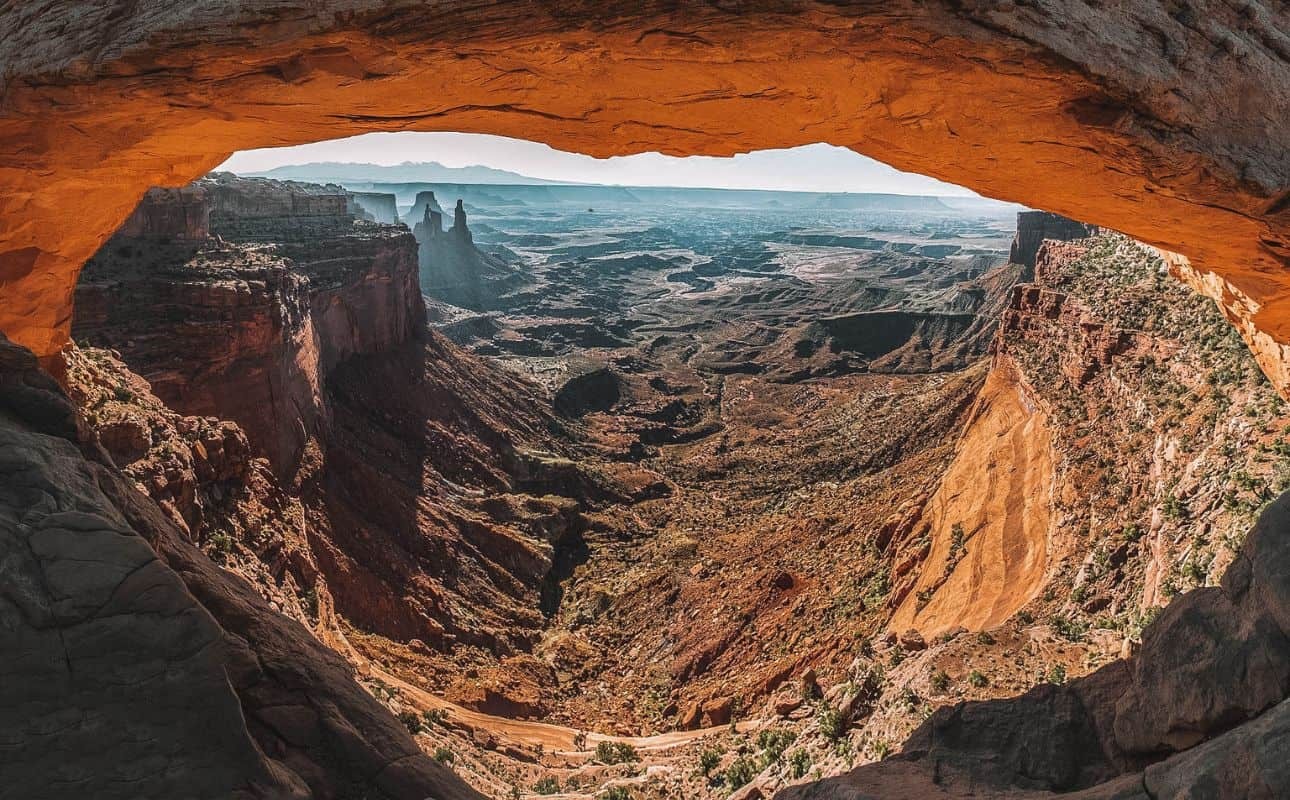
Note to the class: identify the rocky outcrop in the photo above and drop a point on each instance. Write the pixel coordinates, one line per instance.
(1214, 668)
(1034, 227)
(202, 473)
(305, 327)
(425, 202)
(156, 673)
(287, 285)
(1150, 434)
(452, 268)
(170, 214)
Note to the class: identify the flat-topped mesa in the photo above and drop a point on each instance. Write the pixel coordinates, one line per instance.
(1033, 227)
(286, 285)
(375, 206)
(266, 210)
(424, 201)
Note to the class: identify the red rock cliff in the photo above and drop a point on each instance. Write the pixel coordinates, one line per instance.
(287, 285)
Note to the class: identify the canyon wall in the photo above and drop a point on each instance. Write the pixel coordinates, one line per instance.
(1115, 451)
(1152, 444)
(380, 206)
(245, 323)
(1034, 227)
(156, 673)
(305, 326)
(1158, 120)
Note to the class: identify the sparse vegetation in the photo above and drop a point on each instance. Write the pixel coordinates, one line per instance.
(412, 721)
(708, 760)
(774, 742)
(1056, 674)
(547, 785)
(616, 753)
(740, 772)
(830, 721)
(799, 762)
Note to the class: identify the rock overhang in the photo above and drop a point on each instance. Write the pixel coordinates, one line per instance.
(1159, 123)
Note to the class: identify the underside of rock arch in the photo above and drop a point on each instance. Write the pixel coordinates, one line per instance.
(1165, 120)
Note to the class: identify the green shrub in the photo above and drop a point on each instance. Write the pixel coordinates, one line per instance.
(774, 742)
(708, 760)
(443, 755)
(977, 679)
(800, 762)
(1057, 674)
(616, 753)
(832, 725)
(740, 772)
(547, 785)
(434, 716)
(617, 793)
(940, 680)
(1069, 629)
(411, 720)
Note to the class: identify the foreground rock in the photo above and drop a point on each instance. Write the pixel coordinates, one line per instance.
(1213, 669)
(154, 673)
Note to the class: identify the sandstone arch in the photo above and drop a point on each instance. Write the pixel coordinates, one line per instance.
(1164, 119)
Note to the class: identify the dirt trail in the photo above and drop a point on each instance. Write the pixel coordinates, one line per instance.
(554, 739)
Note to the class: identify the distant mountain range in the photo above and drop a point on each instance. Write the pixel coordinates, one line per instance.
(407, 172)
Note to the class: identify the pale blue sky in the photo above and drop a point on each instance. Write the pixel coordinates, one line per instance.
(816, 167)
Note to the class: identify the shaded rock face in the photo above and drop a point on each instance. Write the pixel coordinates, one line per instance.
(1133, 121)
(424, 203)
(1034, 227)
(452, 268)
(197, 687)
(287, 285)
(594, 390)
(306, 330)
(376, 206)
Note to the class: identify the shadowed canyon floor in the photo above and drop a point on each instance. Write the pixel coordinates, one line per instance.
(733, 492)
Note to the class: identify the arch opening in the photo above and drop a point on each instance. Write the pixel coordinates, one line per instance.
(746, 372)
(1152, 120)
(976, 98)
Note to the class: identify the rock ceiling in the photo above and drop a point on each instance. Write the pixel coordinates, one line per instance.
(1165, 120)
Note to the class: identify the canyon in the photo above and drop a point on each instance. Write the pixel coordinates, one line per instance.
(688, 504)
(770, 500)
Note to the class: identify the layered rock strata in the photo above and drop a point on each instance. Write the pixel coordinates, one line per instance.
(156, 673)
(286, 286)
(1133, 120)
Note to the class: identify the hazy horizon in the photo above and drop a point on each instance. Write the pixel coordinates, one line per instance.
(811, 168)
